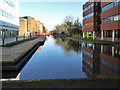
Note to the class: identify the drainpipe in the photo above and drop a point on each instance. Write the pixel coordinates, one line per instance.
(113, 36)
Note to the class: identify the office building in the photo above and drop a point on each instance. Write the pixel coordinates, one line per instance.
(9, 18)
(102, 20)
(29, 25)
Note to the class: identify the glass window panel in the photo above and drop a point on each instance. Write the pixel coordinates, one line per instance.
(119, 17)
(0, 12)
(116, 18)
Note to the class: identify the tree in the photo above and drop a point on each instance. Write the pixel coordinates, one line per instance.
(76, 28)
(68, 22)
(44, 29)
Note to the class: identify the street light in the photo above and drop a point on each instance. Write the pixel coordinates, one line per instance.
(3, 38)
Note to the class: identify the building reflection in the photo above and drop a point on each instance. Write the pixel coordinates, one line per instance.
(110, 57)
(101, 61)
(39, 49)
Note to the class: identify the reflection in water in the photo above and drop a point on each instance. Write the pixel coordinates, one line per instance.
(69, 46)
(101, 61)
(39, 49)
(64, 58)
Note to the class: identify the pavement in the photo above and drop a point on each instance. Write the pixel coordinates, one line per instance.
(10, 54)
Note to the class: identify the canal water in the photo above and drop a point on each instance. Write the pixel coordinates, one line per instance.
(61, 58)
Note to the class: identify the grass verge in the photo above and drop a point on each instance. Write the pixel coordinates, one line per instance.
(95, 41)
(17, 42)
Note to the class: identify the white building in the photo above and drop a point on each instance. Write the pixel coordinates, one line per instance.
(9, 18)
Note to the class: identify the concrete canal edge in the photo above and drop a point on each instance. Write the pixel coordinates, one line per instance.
(23, 59)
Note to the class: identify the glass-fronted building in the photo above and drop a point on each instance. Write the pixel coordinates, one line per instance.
(9, 18)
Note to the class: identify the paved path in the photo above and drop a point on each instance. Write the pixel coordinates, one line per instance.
(10, 54)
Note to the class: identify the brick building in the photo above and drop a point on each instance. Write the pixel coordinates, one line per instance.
(30, 25)
(101, 20)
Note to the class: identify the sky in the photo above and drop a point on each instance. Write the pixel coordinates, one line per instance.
(51, 13)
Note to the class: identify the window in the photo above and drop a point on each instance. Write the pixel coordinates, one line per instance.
(88, 16)
(112, 18)
(88, 7)
(0, 12)
(116, 4)
(21, 20)
(111, 5)
(96, 4)
(119, 17)
(22, 24)
(22, 27)
(9, 3)
(116, 18)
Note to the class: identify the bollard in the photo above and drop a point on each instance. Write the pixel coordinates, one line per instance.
(16, 38)
(3, 41)
(23, 37)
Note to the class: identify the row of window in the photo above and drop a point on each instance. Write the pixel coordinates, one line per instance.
(112, 18)
(111, 5)
(88, 16)
(88, 7)
(88, 24)
(21, 20)
(7, 15)
(10, 3)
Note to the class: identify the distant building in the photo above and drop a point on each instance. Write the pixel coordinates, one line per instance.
(30, 25)
(9, 18)
(101, 20)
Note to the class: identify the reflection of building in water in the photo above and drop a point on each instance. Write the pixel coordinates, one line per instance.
(101, 60)
(110, 57)
(12, 79)
(91, 61)
(39, 49)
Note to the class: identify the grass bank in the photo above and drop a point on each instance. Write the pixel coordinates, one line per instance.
(95, 41)
(17, 42)
(64, 83)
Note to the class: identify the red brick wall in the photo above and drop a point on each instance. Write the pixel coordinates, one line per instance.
(110, 25)
(110, 12)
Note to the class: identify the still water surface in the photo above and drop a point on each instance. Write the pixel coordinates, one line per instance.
(65, 59)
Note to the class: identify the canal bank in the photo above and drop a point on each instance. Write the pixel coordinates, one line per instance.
(14, 57)
(95, 41)
(63, 83)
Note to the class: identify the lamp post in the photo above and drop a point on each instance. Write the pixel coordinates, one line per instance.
(3, 40)
(30, 34)
(17, 36)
